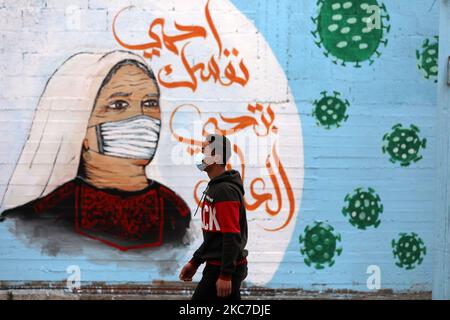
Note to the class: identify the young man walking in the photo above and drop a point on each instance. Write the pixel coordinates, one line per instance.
(224, 225)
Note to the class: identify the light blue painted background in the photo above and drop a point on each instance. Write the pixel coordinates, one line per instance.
(390, 91)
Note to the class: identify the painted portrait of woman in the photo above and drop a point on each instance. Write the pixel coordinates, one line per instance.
(83, 166)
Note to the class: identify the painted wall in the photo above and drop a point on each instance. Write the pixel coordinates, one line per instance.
(344, 110)
(441, 274)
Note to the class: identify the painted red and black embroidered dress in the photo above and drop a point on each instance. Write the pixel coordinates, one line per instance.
(124, 220)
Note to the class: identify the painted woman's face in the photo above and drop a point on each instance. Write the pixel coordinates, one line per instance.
(129, 93)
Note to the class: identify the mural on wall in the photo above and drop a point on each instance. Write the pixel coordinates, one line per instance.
(351, 31)
(320, 245)
(260, 122)
(330, 111)
(108, 160)
(403, 144)
(214, 83)
(409, 250)
(178, 45)
(363, 208)
(427, 58)
(82, 168)
(110, 154)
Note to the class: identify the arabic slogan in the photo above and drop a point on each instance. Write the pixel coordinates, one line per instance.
(270, 192)
(178, 44)
(261, 121)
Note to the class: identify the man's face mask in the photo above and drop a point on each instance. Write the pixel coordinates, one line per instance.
(202, 161)
(201, 165)
(133, 138)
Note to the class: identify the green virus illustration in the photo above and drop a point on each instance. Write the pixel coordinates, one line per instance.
(363, 207)
(319, 245)
(351, 30)
(403, 144)
(330, 111)
(428, 58)
(408, 250)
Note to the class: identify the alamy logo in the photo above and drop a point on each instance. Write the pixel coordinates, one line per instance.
(74, 278)
(374, 279)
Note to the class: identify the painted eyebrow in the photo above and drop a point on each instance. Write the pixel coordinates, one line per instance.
(151, 95)
(119, 94)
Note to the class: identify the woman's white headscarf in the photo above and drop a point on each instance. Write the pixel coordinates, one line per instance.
(51, 155)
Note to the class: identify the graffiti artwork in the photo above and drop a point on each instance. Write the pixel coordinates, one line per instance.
(330, 111)
(212, 70)
(427, 58)
(351, 30)
(104, 107)
(261, 123)
(409, 250)
(83, 166)
(403, 144)
(363, 208)
(109, 158)
(202, 69)
(320, 245)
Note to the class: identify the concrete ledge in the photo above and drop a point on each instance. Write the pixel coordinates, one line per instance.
(176, 291)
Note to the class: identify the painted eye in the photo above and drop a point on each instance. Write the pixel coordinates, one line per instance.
(150, 103)
(119, 104)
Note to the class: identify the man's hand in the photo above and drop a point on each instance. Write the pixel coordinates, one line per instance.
(188, 272)
(223, 288)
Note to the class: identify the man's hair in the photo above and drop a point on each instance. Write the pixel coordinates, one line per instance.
(219, 145)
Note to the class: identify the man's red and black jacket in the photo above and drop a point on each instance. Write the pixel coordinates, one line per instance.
(224, 224)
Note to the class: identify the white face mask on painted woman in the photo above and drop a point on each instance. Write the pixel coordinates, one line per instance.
(133, 138)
